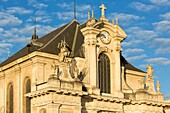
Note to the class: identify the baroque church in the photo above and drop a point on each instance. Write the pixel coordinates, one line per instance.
(78, 68)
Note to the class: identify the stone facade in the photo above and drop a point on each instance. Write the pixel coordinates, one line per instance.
(41, 82)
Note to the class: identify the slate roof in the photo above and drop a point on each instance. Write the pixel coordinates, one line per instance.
(71, 34)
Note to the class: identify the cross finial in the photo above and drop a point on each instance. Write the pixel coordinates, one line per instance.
(103, 8)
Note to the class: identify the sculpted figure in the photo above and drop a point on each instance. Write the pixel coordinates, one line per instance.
(150, 71)
(64, 52)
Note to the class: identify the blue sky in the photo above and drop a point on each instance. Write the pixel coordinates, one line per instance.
(146, 22)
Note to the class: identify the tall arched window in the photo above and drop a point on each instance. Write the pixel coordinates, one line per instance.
(10, 98)
(104, 73)
(26, 100)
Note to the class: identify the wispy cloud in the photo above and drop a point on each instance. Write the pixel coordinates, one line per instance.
(124, 17)
(135, 58)
(166, 16)
(18, 10)
(161, 2)
(162, 27)
(142, 34)
(159, 61)
(133, 51)
(132, 43)
(83, 7)
(70, 15)
(37, 4)
(9, 20)
(142, 7)
(162, 50)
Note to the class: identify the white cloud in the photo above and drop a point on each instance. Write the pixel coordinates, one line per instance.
(19, 10)
(161, 2)
(133, 51)
(135, 58)
(69, 15)
(162, 45)
(132, 43)
(162, 41)
(9, 20)
(65, 5)
(40, 5)
(83, 7)
(142, 7)
(164, 50)
(4, 0)
(166, 16)
(5, 45)
(162, 27)
(159, 61)
(124, 17)
(138, 33)
(37, 4)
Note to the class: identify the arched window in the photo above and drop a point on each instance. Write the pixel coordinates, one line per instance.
(43, 110)
(26, 100)
(10, 98)
(104, 73)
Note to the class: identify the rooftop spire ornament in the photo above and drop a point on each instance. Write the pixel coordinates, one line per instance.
(103, 8)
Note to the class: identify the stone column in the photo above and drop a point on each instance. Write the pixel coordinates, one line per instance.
(117, 73)
(90, 35)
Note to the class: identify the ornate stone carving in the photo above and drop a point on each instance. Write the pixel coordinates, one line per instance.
(64, 51)
(158, 86)
(150, 72)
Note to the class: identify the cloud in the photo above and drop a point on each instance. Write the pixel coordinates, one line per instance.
(83, 7)
(159, 61)
(164, 50)
(162, 27)
(37, 4)
(18, 10)
(65, 5)
(161, 2)
(124, 17)
(69, 15)
(133, 51)
(4, 0)
(5, 45)
(162, 41)
(166, 16)
(162, 45)
(9, 20)
(142, 7)
(135, 58)
(132, 43)
(139, 33)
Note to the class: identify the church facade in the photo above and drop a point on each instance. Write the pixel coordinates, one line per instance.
(78, 68)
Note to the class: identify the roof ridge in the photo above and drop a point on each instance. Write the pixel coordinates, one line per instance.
(56, 35)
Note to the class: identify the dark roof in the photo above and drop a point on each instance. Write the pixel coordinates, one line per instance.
(71, 34)
(128, 65)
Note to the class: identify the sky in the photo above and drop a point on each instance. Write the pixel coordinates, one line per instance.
(146, 22)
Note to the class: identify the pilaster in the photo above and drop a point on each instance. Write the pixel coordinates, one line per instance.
(90, 35)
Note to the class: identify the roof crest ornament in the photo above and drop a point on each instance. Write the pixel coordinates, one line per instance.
(92, 13)
(88, 15)
(103, 8)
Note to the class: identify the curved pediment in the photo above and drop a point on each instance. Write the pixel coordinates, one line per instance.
(114, 29)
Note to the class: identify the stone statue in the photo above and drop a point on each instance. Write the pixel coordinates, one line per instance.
(64, 51)
(158, 86)
(150, 72)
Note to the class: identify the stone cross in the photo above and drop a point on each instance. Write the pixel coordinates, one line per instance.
(103, 9)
